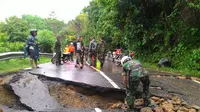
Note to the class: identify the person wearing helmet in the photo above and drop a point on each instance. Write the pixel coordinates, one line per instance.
(79, 50)
(32, 48)
(132, 75)
(71, 50)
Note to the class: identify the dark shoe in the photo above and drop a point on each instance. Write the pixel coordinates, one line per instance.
(76, 66)
(101, 65)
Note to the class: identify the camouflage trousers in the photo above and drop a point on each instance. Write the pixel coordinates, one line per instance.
(58, 57)
(93, 54)
(131, 91)
(101, 58)
(79, 58)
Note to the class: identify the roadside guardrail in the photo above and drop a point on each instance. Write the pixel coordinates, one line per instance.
(12, 55)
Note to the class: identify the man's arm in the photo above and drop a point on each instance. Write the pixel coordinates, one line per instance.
(90, 46)
(29, 42)
(124, 78)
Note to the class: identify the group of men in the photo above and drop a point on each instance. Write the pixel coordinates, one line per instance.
(97, 51)
(92, 53)
(132, 72)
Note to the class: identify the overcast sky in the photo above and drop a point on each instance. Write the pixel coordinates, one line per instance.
(65, 9)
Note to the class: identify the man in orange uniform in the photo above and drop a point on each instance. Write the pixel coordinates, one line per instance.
(71, 50)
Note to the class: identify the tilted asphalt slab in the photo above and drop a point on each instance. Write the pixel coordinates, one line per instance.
(68, 72)
(32, 93)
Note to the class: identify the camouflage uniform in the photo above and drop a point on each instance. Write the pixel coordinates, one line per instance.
(135, 74)
(57, 49)
(101, 52)
(93, 52)
(86, 52)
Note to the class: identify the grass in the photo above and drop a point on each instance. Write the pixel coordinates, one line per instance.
(185, 72)
(14, 65)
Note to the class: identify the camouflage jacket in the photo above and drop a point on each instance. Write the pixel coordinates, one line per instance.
(102, 48)
(133, 69)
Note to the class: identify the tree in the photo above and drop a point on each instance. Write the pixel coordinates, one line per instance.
(46, 39)
(16, 28)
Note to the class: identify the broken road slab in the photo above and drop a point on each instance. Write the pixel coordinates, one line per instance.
(32, 93)
(68, 72)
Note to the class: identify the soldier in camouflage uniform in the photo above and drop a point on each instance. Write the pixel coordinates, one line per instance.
(101, 51)
(132, 75)
(57, 49)
(86, 53)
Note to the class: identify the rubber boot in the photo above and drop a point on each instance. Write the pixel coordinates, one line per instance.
(36, 64)
(32, 64)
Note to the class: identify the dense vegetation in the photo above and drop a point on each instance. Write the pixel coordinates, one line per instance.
(151, 28)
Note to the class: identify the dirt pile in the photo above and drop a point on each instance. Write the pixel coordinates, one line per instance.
(175, 104)
(6, 97)
(72, 96)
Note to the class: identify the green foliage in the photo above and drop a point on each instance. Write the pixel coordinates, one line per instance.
(153, 29)
(14, 32)
(46, 39)
(6, 46)
(12, 65)
(16, 29)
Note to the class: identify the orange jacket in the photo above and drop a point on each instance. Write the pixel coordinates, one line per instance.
(71, 48)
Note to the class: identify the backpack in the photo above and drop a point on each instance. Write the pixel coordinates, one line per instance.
(94, 45)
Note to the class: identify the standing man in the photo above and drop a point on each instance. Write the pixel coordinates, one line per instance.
(132, 75)
(71, 50)
(32, 48)
(93, 51)
(101, 51)
(86, 52)
(79, 51)
(57, 49)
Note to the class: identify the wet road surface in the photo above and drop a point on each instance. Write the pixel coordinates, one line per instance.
(69, 73)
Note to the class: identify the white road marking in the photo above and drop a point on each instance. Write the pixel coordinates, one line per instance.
(97, 109)
(106, 77)
(196, 81)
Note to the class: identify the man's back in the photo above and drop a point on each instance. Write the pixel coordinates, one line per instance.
(93, 45)
(102, 47)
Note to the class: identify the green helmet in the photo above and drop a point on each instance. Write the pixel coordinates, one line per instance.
(33, 30)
